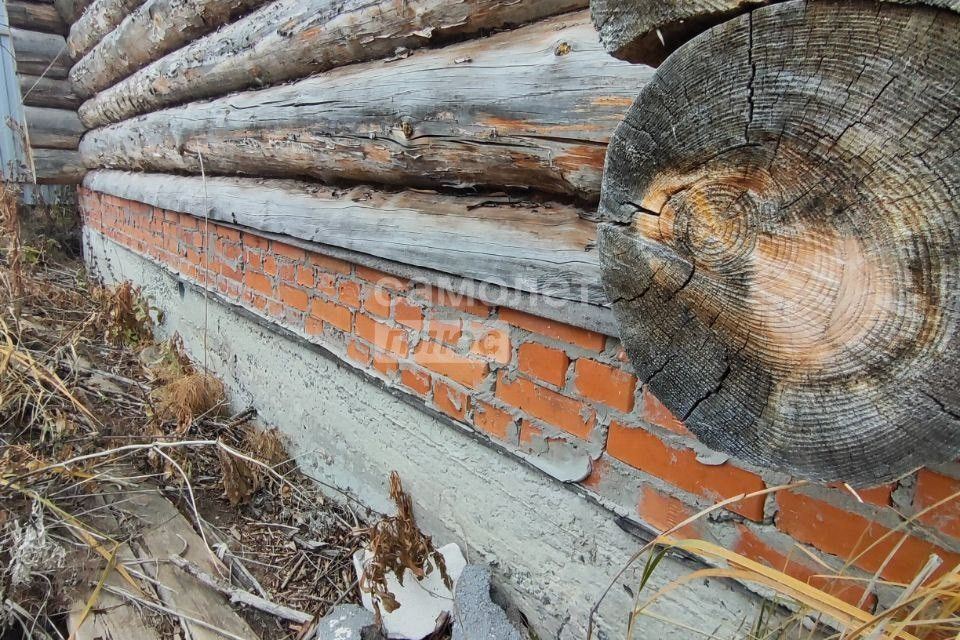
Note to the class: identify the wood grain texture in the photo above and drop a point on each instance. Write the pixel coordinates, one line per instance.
(781, 247)
(290, 39)
(100, 18)
(155, 29)
(53, 128)
(40, 54)
(35, 17)
(544, 249)
(71, 10)
(57, 166)
(38, 91)
(647, 31)
(463, 116)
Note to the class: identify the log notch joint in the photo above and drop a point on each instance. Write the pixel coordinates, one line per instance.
(780, 243)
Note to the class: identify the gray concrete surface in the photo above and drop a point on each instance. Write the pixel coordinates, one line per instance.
(552, 551)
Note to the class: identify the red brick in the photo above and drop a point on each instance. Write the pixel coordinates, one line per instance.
(258, 282)
(880, 496)
(606, 384)
(680, 467)
(229, 272)
(270, 265)
(376, 301)
(407, 314)
(556, 330)
(313, 326)
(453, 300)
(306, 277)
(385, 363)
(288, 251)
(349, 293)
(328, 264)
(255, 242)
(551, 407)
(597, 472)
(495, 422)
(654, 412)
(452, 402)
(384, 336)
(855, 538)
(491, 343)
(416, 381)
(383, 279)
(296, 298)
(795, 565)
(663, 512)
(443, 331)
(932, 488)
(327, 284)
(529, 432)
(544, 363)
(332, 313)
(358, 352)
(449, 363)
(230, 251)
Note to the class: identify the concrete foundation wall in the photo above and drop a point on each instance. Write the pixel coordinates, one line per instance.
(553, 550)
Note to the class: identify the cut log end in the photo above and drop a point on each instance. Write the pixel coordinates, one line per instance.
(780, 247)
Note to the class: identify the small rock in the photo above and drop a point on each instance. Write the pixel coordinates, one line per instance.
(347, 622)
(475, 615)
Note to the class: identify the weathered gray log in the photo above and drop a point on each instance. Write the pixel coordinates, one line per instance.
(102, 17)
(53, 128)
(295, 38)
(71, 10)
(35, 17)
(39, 91)
(648, 30)
(155, 29)
(468, 115)
(784, 262)
(40, 54)
(57, 166)
(539, 249)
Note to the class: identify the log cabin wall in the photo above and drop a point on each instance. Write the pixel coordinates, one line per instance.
(412, 189)
(38, 37)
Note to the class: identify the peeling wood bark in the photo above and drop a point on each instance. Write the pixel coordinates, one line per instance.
(35, 17)
(40, 54)
(47, 92)
(780, 245)
(102, 17)
(156, 28)
(545, 249)
(71, 10)
(57, 166)
(647, 31)
(53, 128)
(295, 38)
(468, 115)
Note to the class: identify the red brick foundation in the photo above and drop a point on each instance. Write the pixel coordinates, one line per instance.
(532, 385)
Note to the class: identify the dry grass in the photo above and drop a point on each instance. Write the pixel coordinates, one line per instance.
(85, 391)
(398, 545)
(928, 608)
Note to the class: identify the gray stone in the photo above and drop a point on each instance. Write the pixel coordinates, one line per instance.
(475, 615)
(347, 622)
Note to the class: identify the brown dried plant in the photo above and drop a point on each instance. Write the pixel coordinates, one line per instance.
(396, 544)
(125, 313)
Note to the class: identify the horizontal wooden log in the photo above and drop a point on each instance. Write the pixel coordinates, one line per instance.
(316, 35)
(71, 10)
(101, 17)
(156, 28)
(40, 54)
(39, 91)
(468, 115)
(57, 166)
(35, 17)
(546, 250)
(647, 31)
(53, 128)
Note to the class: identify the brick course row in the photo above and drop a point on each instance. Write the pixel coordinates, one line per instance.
(531, 384)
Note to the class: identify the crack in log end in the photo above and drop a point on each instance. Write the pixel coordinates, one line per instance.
(781, 258)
